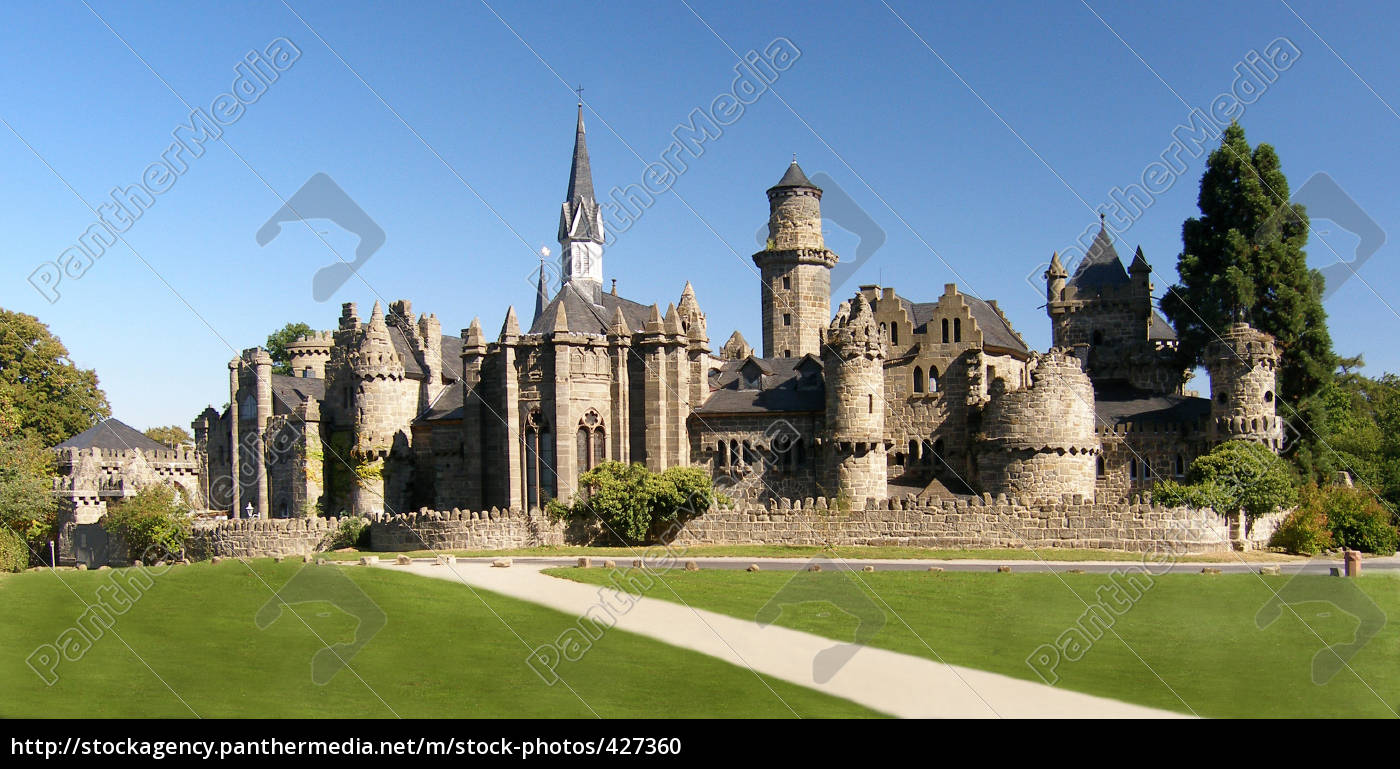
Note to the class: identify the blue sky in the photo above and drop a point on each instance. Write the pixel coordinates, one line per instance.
(975, 165)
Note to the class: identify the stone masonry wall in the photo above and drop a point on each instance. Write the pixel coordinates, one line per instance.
(1074, 522)
(464, 530)
(261, 538)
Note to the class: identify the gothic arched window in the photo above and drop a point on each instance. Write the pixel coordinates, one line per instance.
(918, 379)
(592, 442)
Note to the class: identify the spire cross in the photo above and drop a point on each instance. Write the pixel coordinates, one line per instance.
(579, 91)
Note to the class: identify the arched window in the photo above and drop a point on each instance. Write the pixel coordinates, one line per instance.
(945, 331)
(592, 442)
(539, 460)
(1180, 466)
(1132, 469)
(870, 403)
(957, 329)
(894, 333)
(918, 379)
(1098, 468)
(735, 458)
(722, 454)
(913, 450)
(932, 379)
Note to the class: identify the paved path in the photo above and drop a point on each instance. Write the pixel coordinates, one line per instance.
(898, 684)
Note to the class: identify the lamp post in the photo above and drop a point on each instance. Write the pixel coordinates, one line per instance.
(248, 511)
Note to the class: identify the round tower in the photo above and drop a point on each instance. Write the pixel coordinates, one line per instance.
(854, 363)
(309, 355)
(1243, 368)
(1041, 441)
(795, 268)
(378, 411)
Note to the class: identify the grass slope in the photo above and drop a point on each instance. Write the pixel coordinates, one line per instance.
(1196, 632)
(442, 653)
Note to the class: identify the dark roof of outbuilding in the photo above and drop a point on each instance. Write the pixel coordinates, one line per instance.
(1101, 265)
(449, 404)
(1118, 402)
(112, 434)
(587, 317)
(996, 330)
(785, 384)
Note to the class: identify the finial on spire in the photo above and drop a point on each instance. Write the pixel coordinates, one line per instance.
(579, 91)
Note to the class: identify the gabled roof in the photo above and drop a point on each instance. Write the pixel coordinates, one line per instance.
(1101, 265)
(112, 434)
(585, 317)
(793, 385)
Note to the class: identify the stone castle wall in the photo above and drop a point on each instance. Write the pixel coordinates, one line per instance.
(464, 530)
(261, 538)
(1074, 521)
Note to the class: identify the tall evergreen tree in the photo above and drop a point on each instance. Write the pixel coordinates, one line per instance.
(1243, 257)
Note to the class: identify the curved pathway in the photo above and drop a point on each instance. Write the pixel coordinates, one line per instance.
(899, 684)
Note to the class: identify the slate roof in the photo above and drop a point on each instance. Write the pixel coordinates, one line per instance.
(1117, 402)
(449, 404)
(785, 384)
(996, 331)
(586, 317)
(794, 178)
(1101, 265)
(112, 434)
(292, 391)
(1160, 329)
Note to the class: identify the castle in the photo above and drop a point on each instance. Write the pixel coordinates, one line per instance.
(886, 397)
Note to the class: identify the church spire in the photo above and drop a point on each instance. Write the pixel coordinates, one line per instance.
(581, 224)
(541, 289)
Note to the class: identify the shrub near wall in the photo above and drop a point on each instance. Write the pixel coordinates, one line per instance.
(14, 552)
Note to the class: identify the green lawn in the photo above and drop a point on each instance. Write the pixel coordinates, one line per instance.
(814, 551)
(1197, 632)
(441, 653)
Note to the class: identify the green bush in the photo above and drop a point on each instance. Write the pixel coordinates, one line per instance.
(1304, 531)
(1235, 477)
(154, 523)
(634, 504)
(353, 532)
(1357, 520)
(14, 553)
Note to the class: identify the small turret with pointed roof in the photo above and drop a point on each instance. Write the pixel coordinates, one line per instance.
(1055, 277)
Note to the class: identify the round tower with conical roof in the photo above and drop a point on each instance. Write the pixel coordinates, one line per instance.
(795, 269)
(1243, 368)
(854, 362)
(379, 412)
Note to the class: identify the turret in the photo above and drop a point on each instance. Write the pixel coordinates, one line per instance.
(1041, 441)
(379, 411)
(795, 269)
(1243, 368)
(1055, 278)
(309, 355)
(854, 361)
(473, 353)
